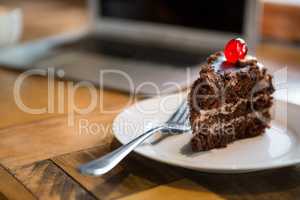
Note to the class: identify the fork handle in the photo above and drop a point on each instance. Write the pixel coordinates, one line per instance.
(106, 163)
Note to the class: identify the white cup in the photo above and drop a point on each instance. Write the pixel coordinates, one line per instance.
(10, 26)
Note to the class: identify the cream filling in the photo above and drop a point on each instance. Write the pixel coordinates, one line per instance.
(220, 125)
(226, 108)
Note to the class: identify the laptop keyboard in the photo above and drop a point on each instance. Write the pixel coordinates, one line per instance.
(134, 51)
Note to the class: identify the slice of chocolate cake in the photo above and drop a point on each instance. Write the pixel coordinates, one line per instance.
(229, 101)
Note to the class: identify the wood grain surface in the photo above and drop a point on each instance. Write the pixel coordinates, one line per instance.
(133, 175)
(281, 22)
(11, 188)
(39, 154)
(47, 181)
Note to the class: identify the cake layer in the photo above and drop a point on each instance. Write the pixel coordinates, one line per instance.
(229, 111)
(221, 133)
(214, 87)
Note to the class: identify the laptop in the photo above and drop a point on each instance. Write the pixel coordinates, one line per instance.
(141, 46)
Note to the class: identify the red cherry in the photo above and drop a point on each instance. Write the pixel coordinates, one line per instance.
(235, 49)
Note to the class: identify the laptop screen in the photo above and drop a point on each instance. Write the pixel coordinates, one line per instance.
(225, 16)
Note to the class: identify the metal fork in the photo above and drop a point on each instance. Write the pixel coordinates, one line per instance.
(177, 123)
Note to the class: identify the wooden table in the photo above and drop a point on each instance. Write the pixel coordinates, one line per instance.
(39, 153)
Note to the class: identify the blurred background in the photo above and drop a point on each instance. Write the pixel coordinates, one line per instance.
(50, 17)
(280, 19)
(138, 36)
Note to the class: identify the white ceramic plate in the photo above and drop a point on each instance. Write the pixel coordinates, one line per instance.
(279, 147)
